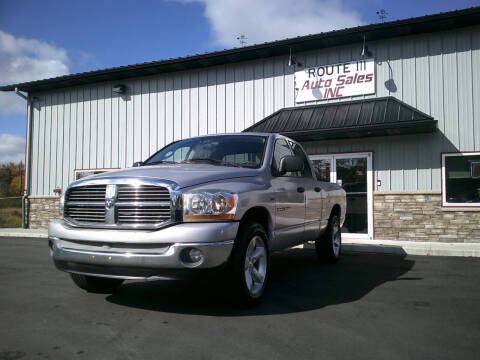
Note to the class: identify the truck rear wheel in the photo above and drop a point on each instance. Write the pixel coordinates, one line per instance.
(249, 264)
(329, 245)
(96, 284)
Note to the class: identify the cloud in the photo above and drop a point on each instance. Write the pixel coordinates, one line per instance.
(12, 148)
(267, 20)
(24, 60)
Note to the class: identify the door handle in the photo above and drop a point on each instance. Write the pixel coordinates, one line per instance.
(317, 189)
(301, 189)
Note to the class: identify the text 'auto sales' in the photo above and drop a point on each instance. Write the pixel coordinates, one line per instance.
(335, 80)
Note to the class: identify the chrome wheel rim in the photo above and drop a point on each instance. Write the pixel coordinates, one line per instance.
(336, 239)
(255, 266)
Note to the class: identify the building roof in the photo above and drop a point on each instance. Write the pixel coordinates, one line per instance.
(349, 119)
(424, 24)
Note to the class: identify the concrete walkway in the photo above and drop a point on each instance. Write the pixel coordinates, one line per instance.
(393, 247)
(19, 232)
(412, 247)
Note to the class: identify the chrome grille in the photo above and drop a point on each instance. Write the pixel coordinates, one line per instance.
(87, 193)
(144, 204)
(142, 193)
(79, 205)
(86, 213)
(145, 215)
(123, 205)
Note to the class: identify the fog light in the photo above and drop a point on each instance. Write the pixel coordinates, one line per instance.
(195, 255)
(192, 255)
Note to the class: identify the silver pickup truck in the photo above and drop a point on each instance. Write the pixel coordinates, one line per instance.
(200, 204)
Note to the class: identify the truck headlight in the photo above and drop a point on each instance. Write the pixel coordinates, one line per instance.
(209, 206)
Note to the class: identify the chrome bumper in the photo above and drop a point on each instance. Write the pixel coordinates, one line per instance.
(134, 254)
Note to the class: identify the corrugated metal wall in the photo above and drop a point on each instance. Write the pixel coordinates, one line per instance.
(89, 127)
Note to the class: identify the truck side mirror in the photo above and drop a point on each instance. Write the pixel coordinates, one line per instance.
(137, 163)
(290, 163)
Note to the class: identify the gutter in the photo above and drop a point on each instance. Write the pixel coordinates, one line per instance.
(28, 157)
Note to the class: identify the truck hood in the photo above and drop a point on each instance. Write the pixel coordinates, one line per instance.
(184, 175)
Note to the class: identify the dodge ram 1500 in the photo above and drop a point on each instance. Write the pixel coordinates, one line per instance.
(209, 202)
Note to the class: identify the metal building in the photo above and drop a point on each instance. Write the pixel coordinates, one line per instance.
(406, 146)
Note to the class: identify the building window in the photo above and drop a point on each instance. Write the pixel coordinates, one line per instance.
(82, 173)
(461, 179)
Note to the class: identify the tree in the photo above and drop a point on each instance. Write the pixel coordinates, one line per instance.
(11, 179)
(16, 186)
(5, 178)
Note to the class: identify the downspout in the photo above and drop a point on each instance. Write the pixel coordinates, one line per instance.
(28, 150)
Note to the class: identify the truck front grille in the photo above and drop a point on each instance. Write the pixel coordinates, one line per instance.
(143, 215)
(142, 193)
(133, 206)
(87, 193)
(86, 204)
(86, 213)
(144, 204)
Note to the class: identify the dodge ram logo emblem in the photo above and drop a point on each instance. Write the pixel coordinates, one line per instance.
(109, 203)
(110, 196)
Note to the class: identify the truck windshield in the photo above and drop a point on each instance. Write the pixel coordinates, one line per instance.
(224, 150)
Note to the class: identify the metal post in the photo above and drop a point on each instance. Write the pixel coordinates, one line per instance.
(28, 151)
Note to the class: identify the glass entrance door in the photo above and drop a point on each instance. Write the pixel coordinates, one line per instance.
(354, 173)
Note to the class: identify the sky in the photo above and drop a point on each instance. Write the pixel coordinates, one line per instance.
(42, 39)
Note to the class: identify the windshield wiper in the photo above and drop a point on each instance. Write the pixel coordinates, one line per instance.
(249, 164)
(210, 161)
(160, 162)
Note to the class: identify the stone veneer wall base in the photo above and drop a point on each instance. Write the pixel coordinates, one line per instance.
(42, 210)
(420, 217)
(397, 216)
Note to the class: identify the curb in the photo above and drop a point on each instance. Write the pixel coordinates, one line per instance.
(402, 248)
(26, 234)
(413, 248)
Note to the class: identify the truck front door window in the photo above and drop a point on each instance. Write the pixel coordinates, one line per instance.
(281, 149)
(297, 151)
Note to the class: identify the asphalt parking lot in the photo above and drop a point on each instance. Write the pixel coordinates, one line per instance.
(369, 306)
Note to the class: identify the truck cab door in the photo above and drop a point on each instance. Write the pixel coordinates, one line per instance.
(289, 202)
(314, 196)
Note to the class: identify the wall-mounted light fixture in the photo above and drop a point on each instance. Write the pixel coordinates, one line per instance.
(365, 51)
(293, 60)
(119, 89)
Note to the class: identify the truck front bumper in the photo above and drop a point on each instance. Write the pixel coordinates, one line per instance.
(138, 254)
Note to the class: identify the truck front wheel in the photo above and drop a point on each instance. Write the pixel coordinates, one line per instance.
(249, 264)
(329, 245)
(96, 284)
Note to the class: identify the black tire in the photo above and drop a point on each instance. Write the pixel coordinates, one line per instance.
(329, 249)
(243, 294)
(96, 284)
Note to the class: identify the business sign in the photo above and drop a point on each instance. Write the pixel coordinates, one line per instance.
(335, 81)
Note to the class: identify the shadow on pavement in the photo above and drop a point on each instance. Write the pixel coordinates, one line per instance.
(297, 283)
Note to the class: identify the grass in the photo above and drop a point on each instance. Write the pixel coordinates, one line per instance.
(10, 212)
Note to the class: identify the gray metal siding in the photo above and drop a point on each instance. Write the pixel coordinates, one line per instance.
(91, 127)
